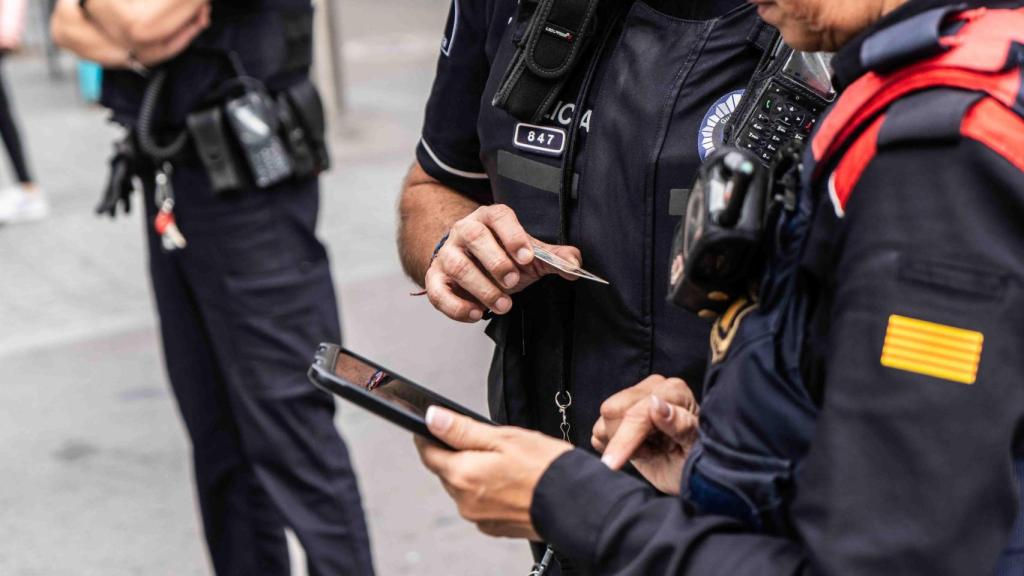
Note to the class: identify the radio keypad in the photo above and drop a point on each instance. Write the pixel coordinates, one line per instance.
(784, 116)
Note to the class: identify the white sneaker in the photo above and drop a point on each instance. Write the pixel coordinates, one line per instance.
(20, 205)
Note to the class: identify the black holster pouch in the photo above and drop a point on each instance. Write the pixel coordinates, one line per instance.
(557, 35)
(208, 129)
(305, 127)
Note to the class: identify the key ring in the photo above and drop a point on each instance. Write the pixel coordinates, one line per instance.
(558, 401)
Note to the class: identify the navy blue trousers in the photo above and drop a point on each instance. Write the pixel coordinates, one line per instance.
(242, 310)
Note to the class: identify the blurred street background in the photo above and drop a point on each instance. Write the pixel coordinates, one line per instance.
(95, 473)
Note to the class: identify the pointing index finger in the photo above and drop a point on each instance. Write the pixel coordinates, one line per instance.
(635, 428)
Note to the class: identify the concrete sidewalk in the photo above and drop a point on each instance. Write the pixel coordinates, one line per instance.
(95, 478)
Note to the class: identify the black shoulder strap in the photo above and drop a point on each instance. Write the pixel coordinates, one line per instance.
(557, 34)
(930, 116)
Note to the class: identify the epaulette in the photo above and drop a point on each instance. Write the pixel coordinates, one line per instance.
(932, 116)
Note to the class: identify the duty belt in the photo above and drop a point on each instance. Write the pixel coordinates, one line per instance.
(260, 50)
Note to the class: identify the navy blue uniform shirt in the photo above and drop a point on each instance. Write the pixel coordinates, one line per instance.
(664, 77)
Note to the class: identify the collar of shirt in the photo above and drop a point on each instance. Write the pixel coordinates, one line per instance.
(847, 64)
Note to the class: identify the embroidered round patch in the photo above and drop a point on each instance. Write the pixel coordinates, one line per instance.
(712, 128)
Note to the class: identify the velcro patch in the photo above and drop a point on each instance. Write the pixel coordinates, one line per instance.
(931, 349)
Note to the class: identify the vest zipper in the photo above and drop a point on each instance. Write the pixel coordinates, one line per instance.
(563, 399)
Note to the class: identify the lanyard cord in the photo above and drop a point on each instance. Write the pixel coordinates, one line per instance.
(563, 398)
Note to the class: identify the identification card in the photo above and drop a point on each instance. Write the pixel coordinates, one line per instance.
(564, 265)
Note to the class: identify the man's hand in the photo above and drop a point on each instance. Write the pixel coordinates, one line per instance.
(487, 257)
(162, 50)
(136, 24)
(112, 46)
(653, 425)
(493, 476)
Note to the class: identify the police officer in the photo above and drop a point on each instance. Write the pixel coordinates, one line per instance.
(593, 177)
(242, 284)
(868, 416)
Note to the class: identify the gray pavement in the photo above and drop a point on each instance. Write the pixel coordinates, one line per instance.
(95, 474)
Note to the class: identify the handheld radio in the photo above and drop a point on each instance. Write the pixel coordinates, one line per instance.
(718, 252)
(789, 92)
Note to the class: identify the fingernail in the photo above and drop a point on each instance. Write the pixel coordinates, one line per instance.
(524, 255)
(504, 304)
(607, 461)
(663, 409)
(511, 279)
(438, 420)
(475, 315)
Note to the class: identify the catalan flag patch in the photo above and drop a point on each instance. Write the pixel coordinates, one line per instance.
(932, 349)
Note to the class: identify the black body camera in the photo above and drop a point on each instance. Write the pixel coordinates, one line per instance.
(720, 237)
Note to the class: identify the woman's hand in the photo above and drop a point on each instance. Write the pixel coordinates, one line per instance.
(652, 425)
(493, 475)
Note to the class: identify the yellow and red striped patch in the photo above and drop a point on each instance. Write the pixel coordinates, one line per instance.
(932, 349)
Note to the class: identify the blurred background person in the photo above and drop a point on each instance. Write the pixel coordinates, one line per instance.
(23, 201)
(97, 473)
(242, 284)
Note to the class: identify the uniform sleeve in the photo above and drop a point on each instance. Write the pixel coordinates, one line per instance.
(449, 149)
(911, 468)
(613, 524)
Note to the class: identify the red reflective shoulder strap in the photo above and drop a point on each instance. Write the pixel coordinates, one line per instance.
(852, 166)
(997, 127)
(976, 60)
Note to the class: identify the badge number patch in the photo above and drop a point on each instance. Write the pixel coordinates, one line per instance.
(931, 349)
(540, 139)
